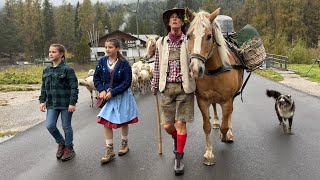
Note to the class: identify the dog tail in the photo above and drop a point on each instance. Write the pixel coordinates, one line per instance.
(273, 93)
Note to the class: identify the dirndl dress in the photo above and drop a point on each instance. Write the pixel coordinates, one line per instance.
(119, 110)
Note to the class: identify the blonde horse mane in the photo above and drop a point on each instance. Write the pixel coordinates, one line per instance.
(201, 20)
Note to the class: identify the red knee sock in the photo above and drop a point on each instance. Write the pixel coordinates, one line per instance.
(174, 133)
(182, 138)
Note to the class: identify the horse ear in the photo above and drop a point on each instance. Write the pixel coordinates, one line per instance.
(147, 37)
(157, 38)
(213, 15)
(189, 15)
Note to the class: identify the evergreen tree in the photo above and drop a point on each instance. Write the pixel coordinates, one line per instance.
(82, 51)
(209, 5)
(77, 30)
(48, 24)
(311, 20)
(87, 18)
(8, 31)
(64, 25)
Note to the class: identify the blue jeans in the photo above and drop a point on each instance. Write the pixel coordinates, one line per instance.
(51, 125)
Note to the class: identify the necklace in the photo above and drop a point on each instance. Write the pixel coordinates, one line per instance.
(110, 64)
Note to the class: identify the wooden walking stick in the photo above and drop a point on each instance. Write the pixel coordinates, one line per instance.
(159, 127)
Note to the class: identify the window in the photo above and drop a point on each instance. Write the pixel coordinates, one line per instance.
(101, 54)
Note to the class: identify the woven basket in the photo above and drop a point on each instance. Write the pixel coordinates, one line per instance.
(253, 54)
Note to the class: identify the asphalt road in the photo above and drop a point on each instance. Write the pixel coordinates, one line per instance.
(260, 150)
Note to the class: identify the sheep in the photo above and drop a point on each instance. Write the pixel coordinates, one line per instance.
(134, 82)
(88, 83)
(144, 79)
(91, 72)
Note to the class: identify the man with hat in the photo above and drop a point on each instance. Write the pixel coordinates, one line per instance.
(172, 78)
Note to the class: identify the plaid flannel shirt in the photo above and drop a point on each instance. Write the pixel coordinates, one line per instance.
(174, 74)
(59, 87)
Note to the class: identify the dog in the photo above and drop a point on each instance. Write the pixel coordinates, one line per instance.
(285, 108)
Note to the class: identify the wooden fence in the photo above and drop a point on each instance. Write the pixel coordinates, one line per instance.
(276, 61)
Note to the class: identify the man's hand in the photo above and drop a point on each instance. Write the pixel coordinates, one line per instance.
(42, 107)
(154, 91)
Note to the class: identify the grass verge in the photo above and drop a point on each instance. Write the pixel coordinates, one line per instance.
(7, 88)
(302, 69)
(269, 74)
(8, 133)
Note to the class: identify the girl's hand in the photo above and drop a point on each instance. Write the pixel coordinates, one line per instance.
(71, 108)
(108, 95)
(102, 94)
(42, 107)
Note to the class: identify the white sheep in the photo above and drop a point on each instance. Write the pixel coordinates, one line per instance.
(91, 72)
(89, 84)
(134, 82)
(144, 80)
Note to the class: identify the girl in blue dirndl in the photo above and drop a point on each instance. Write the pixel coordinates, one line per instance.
(112, 78)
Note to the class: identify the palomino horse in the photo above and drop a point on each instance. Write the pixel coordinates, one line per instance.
(150, 47)
(218, 78)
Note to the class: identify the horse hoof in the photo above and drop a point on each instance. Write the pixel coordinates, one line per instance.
(215, 126)
(229, 141)
(208, 162)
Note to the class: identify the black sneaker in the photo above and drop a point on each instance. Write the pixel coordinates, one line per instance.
(68, 154)
(178, 164)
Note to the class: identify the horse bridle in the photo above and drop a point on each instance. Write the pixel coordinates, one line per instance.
(202, 58)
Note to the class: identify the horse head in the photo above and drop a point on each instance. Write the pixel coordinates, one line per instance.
(150, 47)
(205, 42)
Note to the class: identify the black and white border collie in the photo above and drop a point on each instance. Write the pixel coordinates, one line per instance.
(285, 108)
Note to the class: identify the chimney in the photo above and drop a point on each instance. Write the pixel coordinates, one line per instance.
(106, 30)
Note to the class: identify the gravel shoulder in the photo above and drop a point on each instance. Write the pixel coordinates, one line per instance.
(22, 109)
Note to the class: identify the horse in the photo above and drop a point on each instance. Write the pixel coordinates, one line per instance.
(150, 47)
(216, 72)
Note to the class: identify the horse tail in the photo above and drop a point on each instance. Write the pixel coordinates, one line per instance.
(273, 93)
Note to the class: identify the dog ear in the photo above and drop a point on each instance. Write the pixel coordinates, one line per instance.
(289, 96)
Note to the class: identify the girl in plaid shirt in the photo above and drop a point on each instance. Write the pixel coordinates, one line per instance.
(59, 95)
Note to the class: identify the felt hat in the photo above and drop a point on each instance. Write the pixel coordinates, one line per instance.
(166, 16)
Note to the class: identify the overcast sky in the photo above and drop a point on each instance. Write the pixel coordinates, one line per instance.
(74, 2)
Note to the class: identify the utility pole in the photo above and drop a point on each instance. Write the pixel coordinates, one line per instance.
(137, 22)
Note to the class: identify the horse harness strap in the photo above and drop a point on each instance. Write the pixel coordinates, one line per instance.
(243, 85)
(198, 56)
(223, 68)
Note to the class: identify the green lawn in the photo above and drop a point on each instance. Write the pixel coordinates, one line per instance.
(20, 77)
(302, 69)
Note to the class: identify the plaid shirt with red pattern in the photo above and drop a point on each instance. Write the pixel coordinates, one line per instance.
(174, 74)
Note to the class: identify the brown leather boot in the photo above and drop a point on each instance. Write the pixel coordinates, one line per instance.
(68, 153)
(59, 153)
(124, 148)
(108, 156)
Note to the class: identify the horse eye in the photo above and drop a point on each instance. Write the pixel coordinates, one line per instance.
(188, 37)
(209, 36)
